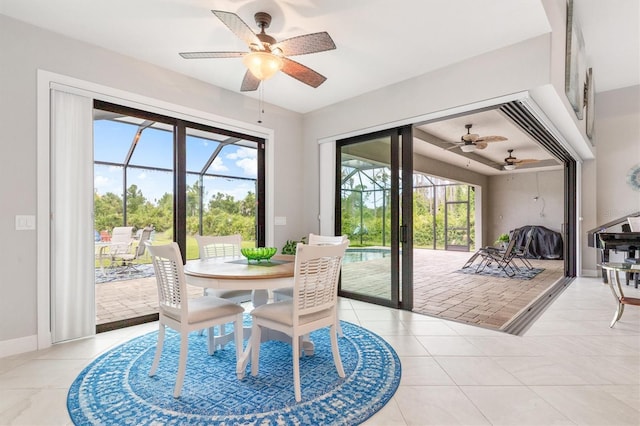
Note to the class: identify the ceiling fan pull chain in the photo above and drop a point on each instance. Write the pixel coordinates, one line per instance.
(261, 103)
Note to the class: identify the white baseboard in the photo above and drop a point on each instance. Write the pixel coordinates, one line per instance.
(590, 273)
(18, 346)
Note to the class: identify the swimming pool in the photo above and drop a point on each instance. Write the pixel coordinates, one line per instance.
(364, 254)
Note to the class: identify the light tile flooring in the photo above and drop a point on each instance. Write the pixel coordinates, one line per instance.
(568, 368)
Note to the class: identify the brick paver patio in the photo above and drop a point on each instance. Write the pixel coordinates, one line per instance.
(438, 290)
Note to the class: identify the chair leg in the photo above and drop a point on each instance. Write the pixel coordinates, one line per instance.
(182, 363)
(255, 348)
(204, 293)
(156, 358)
(335, 350)
(295, 353)
(238, 332)
(617, 315)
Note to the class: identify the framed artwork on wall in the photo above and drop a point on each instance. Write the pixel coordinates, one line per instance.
(575, 63)
(589, 103)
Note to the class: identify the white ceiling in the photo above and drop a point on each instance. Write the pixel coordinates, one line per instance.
(379, 42)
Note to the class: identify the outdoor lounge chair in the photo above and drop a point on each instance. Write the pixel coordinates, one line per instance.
(522, 251)
(493, 255)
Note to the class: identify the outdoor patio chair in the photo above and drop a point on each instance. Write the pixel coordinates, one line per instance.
(313, 306)
(127, 259)
(184, 315)
(503, 259)
(522, 251)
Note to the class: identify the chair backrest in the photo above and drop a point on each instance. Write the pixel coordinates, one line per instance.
(169, 271)
(122, 234)
(316, 274)
(323, 240)
(145, 236)
(510, 251)
(121, 239)
(527, 242)
(219, 245)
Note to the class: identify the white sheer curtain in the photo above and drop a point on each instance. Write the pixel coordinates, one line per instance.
(72, 238)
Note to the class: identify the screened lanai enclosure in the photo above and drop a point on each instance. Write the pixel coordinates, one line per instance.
(443, 210)
(178, 178)
(138, 179)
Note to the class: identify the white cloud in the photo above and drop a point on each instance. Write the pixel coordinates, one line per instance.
(249, 165)
(243, 152)
(218, 165)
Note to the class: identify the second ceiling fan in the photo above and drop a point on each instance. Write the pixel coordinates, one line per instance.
(511, 162)
(472, 141)
(266, 55)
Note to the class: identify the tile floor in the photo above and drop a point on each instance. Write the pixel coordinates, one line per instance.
(568, 368)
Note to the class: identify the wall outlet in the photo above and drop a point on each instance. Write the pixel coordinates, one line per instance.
(25, 222)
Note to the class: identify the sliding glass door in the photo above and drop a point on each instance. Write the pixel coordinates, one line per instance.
(376, 214)
(178, 178)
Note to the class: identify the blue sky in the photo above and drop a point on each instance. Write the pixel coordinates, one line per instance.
(155, 149)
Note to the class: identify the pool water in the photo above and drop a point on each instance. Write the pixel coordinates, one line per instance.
(364, 254)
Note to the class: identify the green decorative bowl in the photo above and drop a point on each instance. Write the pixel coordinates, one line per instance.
(258, 253)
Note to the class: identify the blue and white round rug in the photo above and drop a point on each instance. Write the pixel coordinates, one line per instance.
(116, 389)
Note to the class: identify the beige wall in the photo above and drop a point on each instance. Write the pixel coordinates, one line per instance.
(26, 49)
(512, 204)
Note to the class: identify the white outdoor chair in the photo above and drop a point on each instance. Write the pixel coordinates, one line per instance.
(128, 258)
(184, 315)
(313, 306)
(286, 293)
(121, 241)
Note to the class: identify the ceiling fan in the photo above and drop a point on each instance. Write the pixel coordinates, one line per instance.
(266, 55)
(472, 141)
(511, 162)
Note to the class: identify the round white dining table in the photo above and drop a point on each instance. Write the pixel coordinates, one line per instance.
(237, 273)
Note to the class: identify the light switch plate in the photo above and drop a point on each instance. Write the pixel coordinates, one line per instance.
(280, 220)
(25, 222)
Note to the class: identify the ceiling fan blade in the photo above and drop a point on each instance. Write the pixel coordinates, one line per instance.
(528, 160)
(480, 145)
(249, 82)
(470, 137)
(206, 55)
(491, 139)
(309, 43)
(302, 73)
(239, 28)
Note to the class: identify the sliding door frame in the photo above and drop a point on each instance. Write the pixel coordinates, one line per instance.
(401, 206)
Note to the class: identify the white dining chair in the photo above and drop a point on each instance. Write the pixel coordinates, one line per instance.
(286, 293)
(313, 306)
(210, 246)
(222, 246)
(186, 315)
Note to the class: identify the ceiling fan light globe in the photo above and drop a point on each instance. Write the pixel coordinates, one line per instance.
(263, 65)
(468, 148)
(509, 166)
